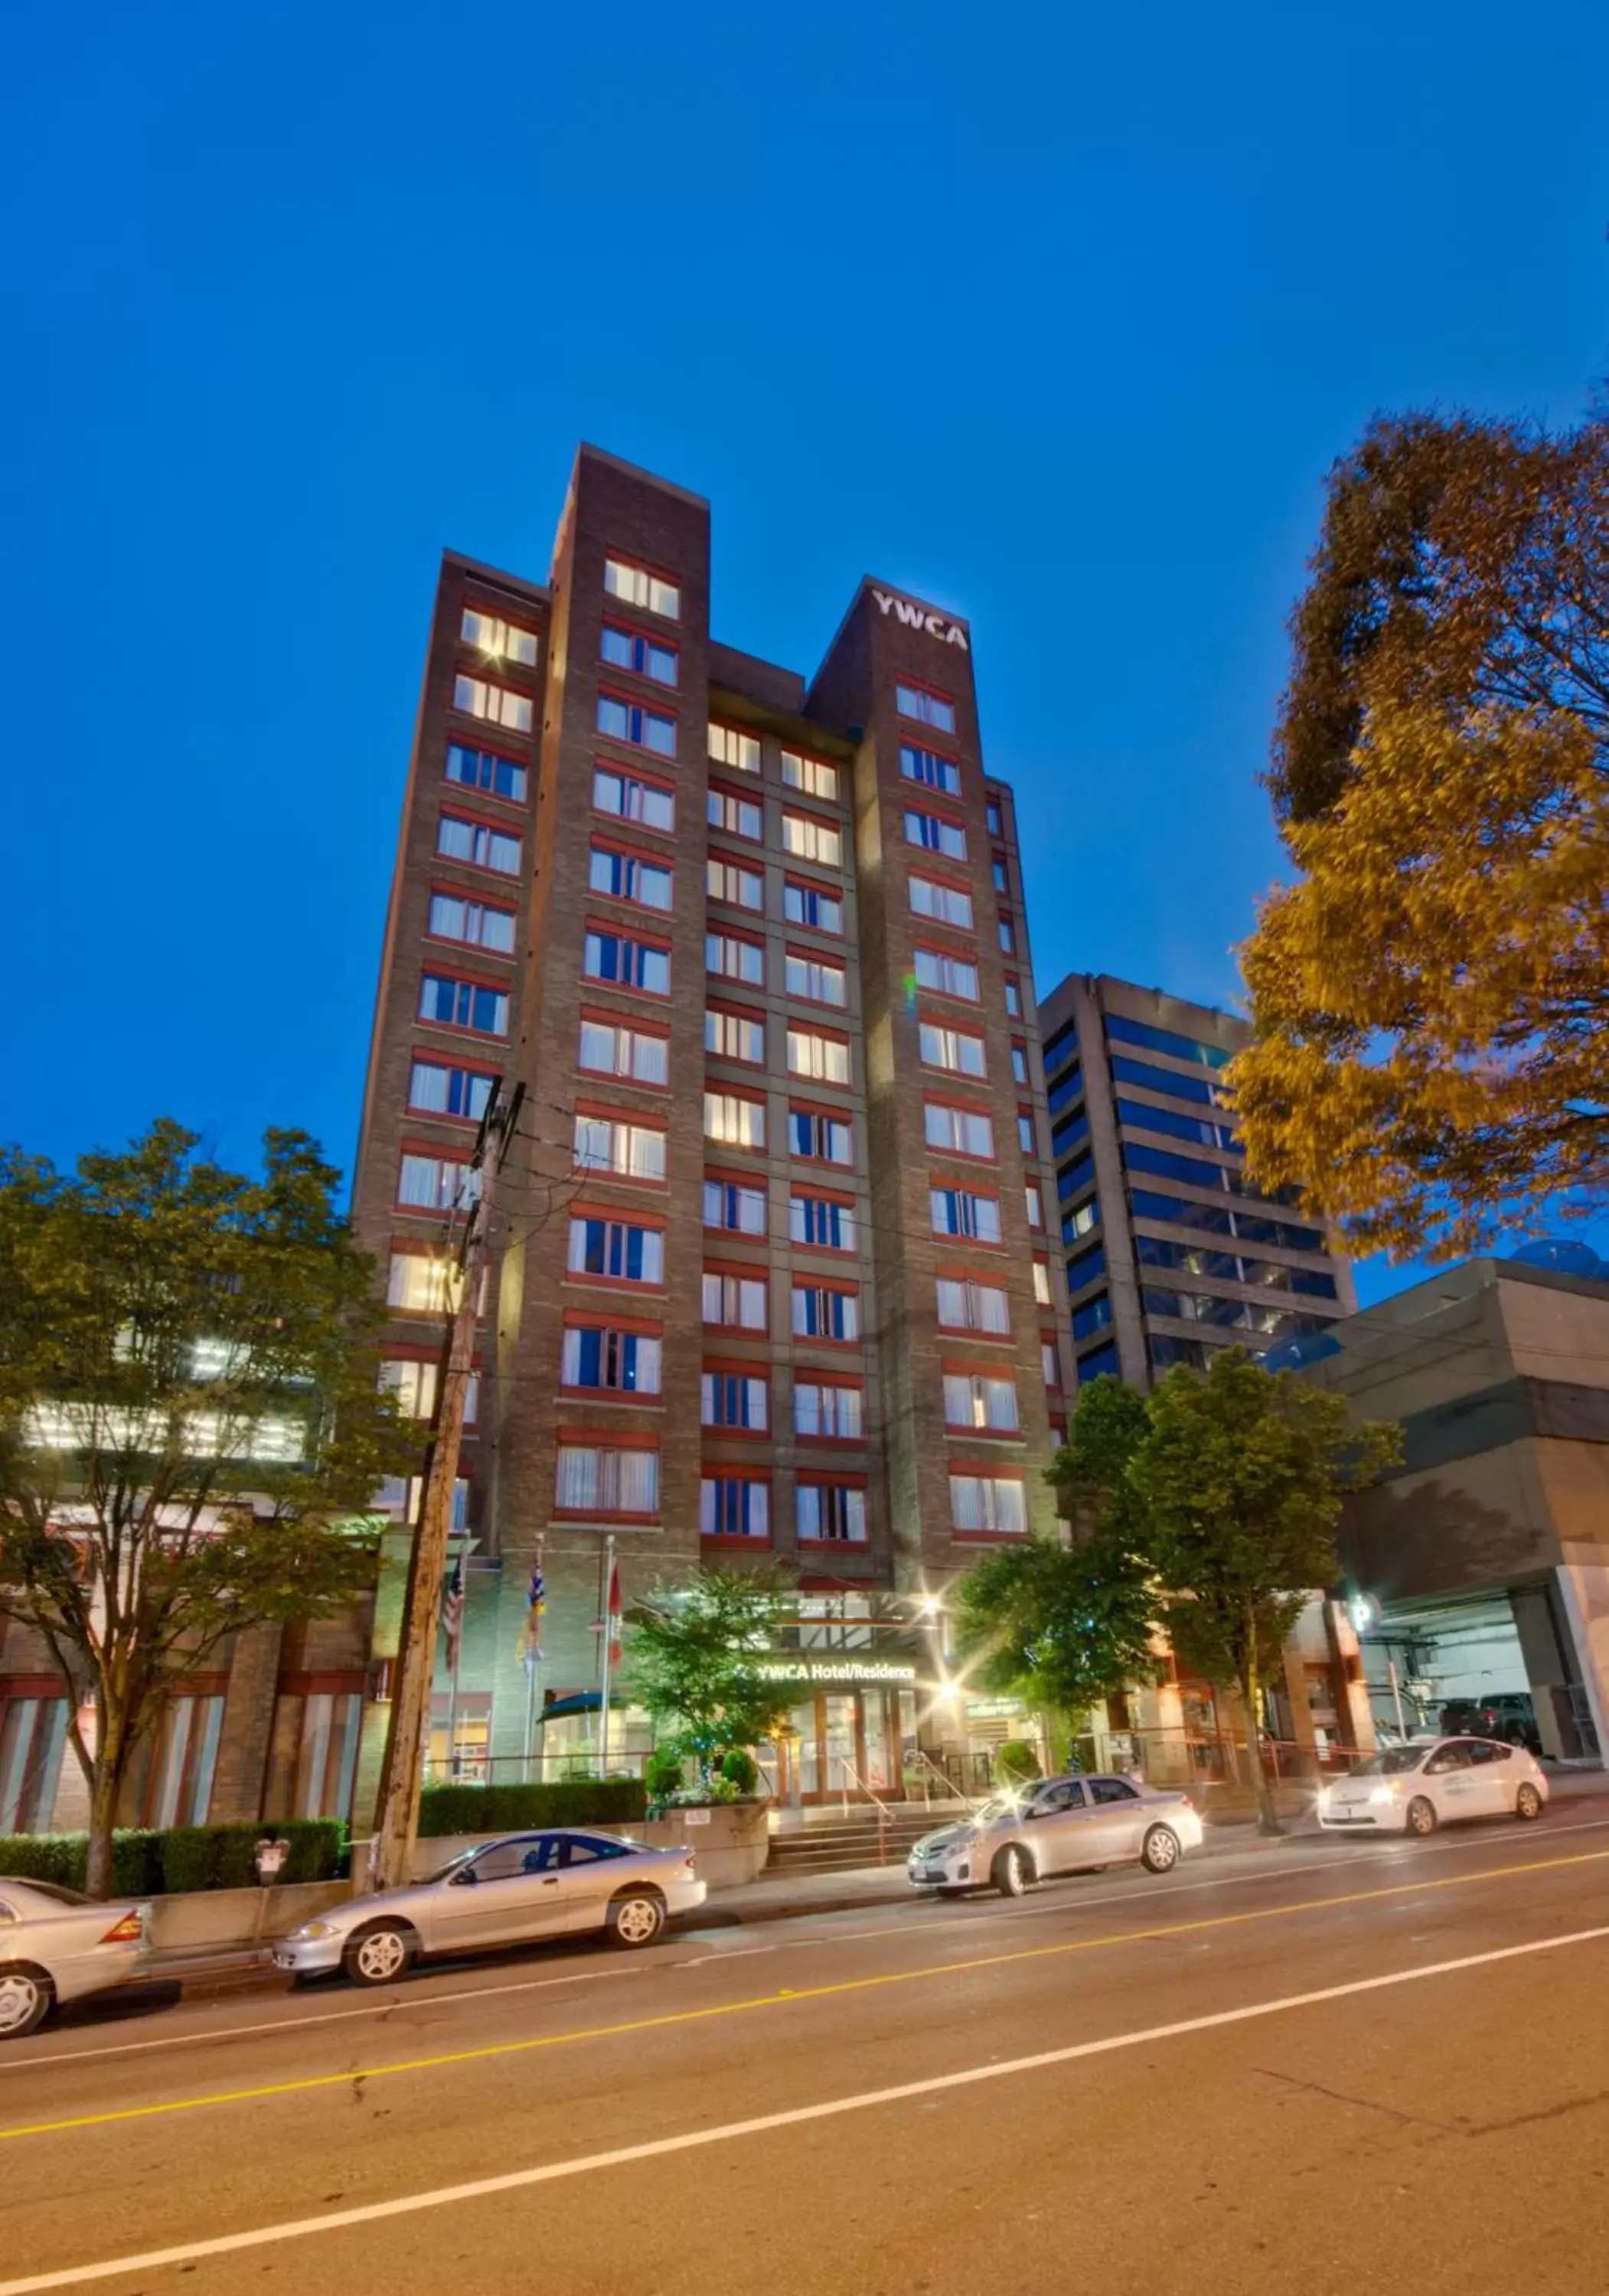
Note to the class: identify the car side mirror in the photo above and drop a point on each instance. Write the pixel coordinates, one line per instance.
(465, 1879)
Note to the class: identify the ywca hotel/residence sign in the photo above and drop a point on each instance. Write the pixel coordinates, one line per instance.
(922, 618)
(864, 1670)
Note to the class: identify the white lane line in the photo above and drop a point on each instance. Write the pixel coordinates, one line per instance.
(1060, 1903)
(517, 2180)
(335, 2016)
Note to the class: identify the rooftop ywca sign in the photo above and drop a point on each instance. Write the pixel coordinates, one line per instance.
(836, 1669)
(922, 618)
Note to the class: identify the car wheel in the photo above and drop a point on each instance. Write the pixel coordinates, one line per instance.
(380, 1955)
(1527, 1800)
(26, 1998)
(635, 1920)
(1011, 1872)
(1421, 1816)
(1159, 1852)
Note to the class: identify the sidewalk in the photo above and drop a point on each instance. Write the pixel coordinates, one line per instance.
(867, 1887)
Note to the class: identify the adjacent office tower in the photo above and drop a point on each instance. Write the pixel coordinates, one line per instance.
(1170, 1252)
(771, 1272)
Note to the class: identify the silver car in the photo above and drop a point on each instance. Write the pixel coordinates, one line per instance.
(57, 1945)
(524, 1886)
(1061, 1825)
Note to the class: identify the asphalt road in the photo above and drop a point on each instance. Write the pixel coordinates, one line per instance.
(1306, 2070)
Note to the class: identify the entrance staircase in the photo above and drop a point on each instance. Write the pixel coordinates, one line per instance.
(839, 1845)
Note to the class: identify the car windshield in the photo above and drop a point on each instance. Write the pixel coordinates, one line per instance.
(56, 1894)
(1002, 1804)
(453, 1863)
(1390, 1761)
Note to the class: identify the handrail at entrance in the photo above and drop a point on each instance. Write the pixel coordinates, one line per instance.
(852, 1775)
(927, 1766)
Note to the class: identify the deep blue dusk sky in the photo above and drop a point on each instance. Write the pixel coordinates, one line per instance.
(1054, 314)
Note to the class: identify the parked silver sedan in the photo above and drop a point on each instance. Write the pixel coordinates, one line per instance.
(1061, 1825)
(57, 1945)
(523, 1886)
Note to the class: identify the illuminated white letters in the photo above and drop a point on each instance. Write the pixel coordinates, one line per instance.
(920, 617)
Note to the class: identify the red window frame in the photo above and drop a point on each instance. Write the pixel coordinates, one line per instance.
(836, 1113)
(934, 694)
(731, 1091)
(966, 1155)
(757, 1367)
(846, 1288)
(638, 702)
(726, 931)
(950, 1020)
(503, 989)
(824, 887)
(652, 857)
(607, 1435)
(472, 893)
(752, 796)
(625, 929)
(677, 582)
(988, 1471)
(431, 1054)
(650, 781)
(808, 955)
(599, 1111)
(834, 822)
(746, 863)
(623, 1216)
(639, 1327)
(736, 1012)
(807, 1024)
(990, 1195)
(630, 629)
(950, 1368)
(812, 1377)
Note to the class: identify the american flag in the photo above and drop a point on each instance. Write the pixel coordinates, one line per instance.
(452, 1613)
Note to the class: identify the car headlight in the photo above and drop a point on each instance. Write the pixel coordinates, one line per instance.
(313, 1930)
(1383, 1793)
(1324, 1797)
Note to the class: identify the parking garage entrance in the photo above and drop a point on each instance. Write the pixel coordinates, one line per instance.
(1498, 1663)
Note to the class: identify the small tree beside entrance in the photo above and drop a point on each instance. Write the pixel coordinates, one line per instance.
(692, 1661)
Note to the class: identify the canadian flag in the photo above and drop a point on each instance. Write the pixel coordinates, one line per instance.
(611, 1622)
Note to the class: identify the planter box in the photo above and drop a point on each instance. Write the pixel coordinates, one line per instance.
(198, 1920)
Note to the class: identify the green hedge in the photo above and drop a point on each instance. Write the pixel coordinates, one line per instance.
(146, 1864)
(510, 1809)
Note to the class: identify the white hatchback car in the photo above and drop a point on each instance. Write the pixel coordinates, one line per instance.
(1431, 1782)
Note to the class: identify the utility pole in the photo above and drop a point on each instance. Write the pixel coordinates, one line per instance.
(398, 1822)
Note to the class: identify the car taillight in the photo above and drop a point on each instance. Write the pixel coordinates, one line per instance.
(130, 1931)
(691, 1856)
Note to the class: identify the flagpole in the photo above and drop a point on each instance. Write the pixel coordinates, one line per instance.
(534, 1601)
(607, 1647)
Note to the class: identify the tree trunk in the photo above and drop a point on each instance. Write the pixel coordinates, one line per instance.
(1251, 1687)
(105, 1791)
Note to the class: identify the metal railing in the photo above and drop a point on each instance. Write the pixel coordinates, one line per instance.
(474, 1769)
(923, 1768)
(849, 1775)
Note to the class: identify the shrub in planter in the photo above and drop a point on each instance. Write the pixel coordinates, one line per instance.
(740, 1769)
(662, 1772)
(508, 1809)
(1017, 1759)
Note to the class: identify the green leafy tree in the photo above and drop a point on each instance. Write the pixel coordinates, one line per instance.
(692, 1660)
(190, 1424)
(1431, 996)
(1059, 1626)
(1239, 1479)
(1065, 1626)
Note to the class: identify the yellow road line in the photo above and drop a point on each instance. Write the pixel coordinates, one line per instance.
(789, 1997)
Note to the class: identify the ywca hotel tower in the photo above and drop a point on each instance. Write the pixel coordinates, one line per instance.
(771, 1278)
